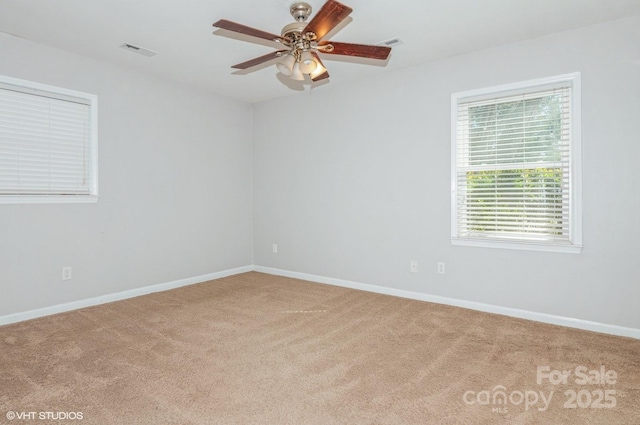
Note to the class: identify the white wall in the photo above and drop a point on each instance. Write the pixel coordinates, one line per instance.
(175, 188)
(362, 185)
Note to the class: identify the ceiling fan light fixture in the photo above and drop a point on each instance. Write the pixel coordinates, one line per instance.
(287, 64)
(301, 41)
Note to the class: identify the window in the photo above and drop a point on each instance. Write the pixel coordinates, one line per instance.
(516, 166)
(48, 144)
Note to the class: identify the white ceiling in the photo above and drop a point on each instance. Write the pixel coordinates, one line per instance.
(181, 32)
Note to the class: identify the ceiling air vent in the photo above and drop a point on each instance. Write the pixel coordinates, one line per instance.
(137, 49)
(391, 43)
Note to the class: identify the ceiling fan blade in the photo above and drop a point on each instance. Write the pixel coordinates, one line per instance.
(329, 15)
(259, 60)
(323, 75)
(360, 50)
(243, 29)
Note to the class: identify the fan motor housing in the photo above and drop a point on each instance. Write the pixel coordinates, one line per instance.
(294, 28)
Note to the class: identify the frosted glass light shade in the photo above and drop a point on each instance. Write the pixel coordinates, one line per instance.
(297, 74)
(286, 65)
(307, 63)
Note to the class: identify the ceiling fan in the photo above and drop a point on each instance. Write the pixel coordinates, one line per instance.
(303, 41)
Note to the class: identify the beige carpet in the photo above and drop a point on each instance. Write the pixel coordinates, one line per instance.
(260, 349)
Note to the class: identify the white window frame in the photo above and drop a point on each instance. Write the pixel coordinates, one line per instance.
(574, 244)
(31, 87)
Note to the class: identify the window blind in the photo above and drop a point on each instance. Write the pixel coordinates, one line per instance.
(44, 143)
(513, 165)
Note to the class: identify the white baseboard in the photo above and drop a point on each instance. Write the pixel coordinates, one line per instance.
(103, 299)
(505, 311)
(489, 308)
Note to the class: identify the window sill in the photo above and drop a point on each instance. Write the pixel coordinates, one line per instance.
(525, 246)
(48, 199)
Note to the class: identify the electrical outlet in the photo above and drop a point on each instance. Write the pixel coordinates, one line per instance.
(441, 268)
(274, 248)
(413, 266)
(66, 273)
